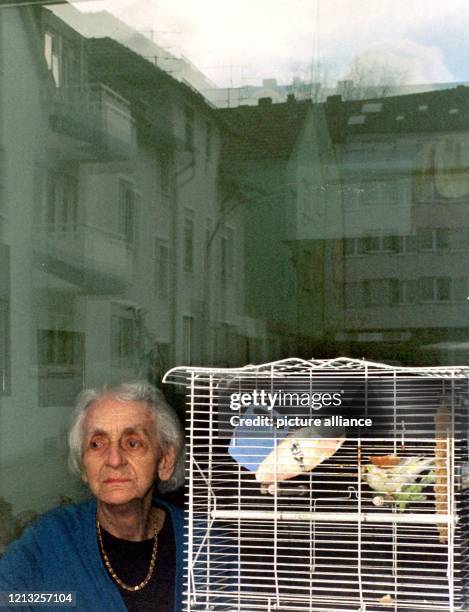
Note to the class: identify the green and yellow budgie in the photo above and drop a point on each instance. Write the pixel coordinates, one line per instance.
(400, 481)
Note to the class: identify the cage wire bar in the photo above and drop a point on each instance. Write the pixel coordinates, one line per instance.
(326, 539)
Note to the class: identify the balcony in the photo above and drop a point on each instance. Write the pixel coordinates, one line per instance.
(96, 260)
(91, 122)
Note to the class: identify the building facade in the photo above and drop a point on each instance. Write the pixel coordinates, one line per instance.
(403, 178)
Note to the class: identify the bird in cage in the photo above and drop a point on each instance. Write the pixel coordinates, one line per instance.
(300, 452)
(276, 454)
(399, 481)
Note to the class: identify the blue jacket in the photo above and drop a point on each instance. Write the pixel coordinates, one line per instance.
(60, 553)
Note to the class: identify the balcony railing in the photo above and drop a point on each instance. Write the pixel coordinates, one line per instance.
(104, 253)
(96, 121)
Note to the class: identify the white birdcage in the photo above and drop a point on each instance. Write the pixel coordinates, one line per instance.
(367, 521)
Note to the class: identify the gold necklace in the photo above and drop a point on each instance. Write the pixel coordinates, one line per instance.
(115, 577)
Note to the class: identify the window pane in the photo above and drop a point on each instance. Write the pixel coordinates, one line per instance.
(188, 245)
(218, 187)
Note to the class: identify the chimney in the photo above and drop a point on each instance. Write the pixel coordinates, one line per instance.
(264, 101)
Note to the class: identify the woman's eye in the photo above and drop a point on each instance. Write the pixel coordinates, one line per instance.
(134, 443)
(96, 444)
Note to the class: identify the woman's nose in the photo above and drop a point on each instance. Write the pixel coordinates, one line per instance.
(115, 456)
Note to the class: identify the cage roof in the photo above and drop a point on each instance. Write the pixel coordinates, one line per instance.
(296, 367)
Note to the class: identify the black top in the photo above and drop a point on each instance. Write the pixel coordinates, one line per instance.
(131, 560)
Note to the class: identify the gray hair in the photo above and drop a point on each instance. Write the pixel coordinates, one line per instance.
(166, 422)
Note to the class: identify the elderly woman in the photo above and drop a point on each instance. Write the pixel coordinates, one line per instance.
(123, 550)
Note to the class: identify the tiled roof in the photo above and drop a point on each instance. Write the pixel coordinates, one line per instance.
(264, 131)
(433, 111)
(111, 60)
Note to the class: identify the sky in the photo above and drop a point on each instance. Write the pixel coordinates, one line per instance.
(242, 41)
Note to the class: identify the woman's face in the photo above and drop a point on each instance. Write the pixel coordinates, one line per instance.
(121, 454)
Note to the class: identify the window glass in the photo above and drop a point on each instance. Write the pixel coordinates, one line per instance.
(162, 268)
(188, 244)
(123, 336)
(127, 211)
(52, 55)
(181, 184)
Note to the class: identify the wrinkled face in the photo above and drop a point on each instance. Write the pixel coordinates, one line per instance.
(121, 455)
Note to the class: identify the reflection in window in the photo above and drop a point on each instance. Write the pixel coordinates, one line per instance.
(424, 240)
(433, 239)
(435, 289)
(373, 244)
(165, 175)
(188, 244)
(459, 289)
(71, 68)
(52, 54)
(161, 268)
(380, 243)
(123, 337)
(127, 211)
(385, 292)
(404, 291)
(355, 246)
(459, 239)
(377, 292)
(60, 348)
(62, 53)
(406, 244)
(60, 351)
(62, 202)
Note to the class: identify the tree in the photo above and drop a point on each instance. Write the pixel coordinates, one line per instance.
(372, 76)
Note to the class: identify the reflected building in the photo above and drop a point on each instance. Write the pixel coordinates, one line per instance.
(403, 166)
(118, 255)
(68, 244)
(282, 157)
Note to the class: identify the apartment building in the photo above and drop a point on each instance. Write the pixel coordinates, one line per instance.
(403, 178)
(117, 257)
(281, 156)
